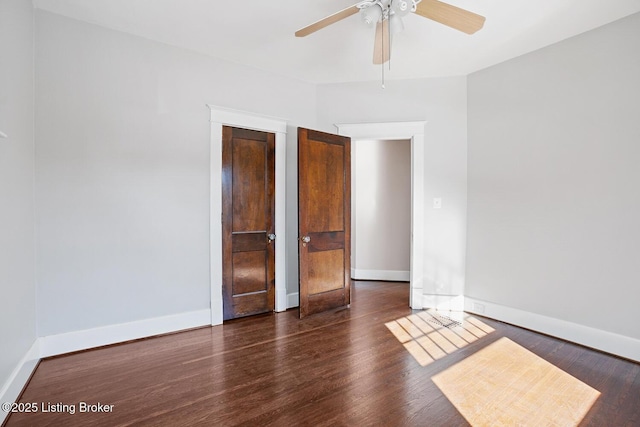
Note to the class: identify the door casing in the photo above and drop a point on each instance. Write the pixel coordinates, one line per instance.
(415, 132)
(220, 117)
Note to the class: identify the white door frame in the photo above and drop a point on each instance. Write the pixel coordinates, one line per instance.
(220, 117)
(415, 132)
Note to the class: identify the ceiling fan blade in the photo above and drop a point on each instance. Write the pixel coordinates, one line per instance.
(451, 16)
(381, 51)
(325, 22)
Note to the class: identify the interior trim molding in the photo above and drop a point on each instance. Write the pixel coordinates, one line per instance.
(293, 300)
(444, 302)
(598, 339)
(261, 122)
(13, 386)
(382, 130)
(415, 132)
(221, 116)
(54, 345)
(389, 275)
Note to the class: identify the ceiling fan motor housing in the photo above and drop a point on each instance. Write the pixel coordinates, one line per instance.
(403, 7)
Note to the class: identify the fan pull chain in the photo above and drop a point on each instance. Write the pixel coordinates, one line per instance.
(383, 75)
(382, 53)
(390, 44)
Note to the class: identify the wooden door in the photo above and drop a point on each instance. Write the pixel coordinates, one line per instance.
(248, 220)
(324, 220)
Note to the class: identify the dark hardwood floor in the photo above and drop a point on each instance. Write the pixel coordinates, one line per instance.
(343, 367)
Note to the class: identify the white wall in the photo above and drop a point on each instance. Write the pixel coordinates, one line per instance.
(442, 102)
(554, 203)
(381, 209)
(17, 259)
(122, 163)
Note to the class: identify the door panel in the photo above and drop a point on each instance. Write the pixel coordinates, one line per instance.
(327, 192)
(248, 184)
(325, 271)
(324, 218)
(248, 217)
(249, 272)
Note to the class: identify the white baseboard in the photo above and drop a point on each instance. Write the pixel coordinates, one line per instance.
(416, 299)
(609, 342)
(293, 300)
(18, 379)
(390, 275)
(53, 345)
(443, 302)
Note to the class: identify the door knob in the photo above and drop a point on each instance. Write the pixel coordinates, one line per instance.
(305, 239)
(271, 237)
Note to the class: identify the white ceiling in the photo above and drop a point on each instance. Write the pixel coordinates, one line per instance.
(259, 33)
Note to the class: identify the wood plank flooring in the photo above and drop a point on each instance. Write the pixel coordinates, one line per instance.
(341, 368)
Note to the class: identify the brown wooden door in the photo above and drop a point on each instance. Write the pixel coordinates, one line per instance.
(248, 202)
(324, 220)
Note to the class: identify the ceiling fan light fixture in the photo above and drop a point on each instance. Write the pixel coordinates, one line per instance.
(387, 17)
(371, 15)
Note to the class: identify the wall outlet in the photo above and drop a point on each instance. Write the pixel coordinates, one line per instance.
(437, 203)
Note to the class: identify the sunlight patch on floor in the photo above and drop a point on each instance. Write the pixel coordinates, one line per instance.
(426, 340)
(505, 384)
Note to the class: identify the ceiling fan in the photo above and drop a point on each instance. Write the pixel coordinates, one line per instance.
(387, 16)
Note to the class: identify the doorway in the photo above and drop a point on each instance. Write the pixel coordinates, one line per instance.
(248, 222)
(413, 131)
(221, 117)
(381, 210)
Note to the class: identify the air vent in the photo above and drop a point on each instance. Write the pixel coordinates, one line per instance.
(440, 320)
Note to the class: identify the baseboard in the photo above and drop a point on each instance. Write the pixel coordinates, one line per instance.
(416, 299)
(19, 377)
(293, 300)
(53, 345)
(608, 342)
(443, 302)
(387, 275)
